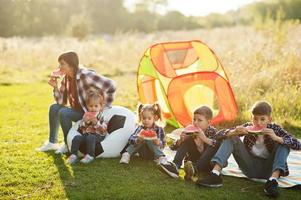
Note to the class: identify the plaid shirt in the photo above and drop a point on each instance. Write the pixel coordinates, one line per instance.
(157, 129)
(86, 79)
(288, 140)
(85, 128)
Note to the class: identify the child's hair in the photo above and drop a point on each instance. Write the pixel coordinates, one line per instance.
(95, 95)
(205, 111)
(262, 108)
(154, 108)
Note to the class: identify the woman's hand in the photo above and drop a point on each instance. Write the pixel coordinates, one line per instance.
(156, 142)
(53, 82)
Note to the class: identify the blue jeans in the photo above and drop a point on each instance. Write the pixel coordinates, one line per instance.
(64, 116)
(144, 148)
(252, 166)
(88, 143)
(201, 160)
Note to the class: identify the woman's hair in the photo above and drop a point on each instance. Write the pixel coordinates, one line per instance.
(205, 111)
(154, 108)
(95, 95)
(71, 58)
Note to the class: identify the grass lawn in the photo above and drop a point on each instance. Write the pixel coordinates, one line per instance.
(27, 174)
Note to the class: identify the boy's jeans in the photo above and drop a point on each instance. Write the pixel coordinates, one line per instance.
(61, 115)
(141, 149)
(251, 166)
(201, 160)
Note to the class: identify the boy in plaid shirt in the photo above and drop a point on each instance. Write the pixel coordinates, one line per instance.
(261, 155)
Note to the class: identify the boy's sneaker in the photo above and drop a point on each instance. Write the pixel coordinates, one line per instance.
(212, 180)
(271, 188)
(63, 149)
(189, 170)
(87, 159)
(125, 158)
(170, 169)
(72, 159)
(48, 146)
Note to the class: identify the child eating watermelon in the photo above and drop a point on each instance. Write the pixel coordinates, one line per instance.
(148, 140)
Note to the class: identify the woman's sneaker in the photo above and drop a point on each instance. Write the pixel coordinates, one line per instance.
(63, 149)
(271, 188)
(72, 159)
(170, 169)
(125, 158)
(48, 146)
(212, 180)
(189, 170)
(87, 159)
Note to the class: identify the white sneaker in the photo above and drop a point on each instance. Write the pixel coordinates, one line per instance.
(48, 146)
(63, 149)
(163, 160)
(72, 159)
(87, 159)
(125, 158)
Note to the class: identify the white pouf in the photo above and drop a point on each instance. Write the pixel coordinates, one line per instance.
(118, 132)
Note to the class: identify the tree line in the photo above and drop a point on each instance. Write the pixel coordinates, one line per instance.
(83, 17)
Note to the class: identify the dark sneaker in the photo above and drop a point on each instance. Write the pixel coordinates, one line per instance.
(189, 170)
(271, 188)
(212, 180)
(170, 169)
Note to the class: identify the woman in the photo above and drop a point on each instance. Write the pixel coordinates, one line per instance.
(73, 90)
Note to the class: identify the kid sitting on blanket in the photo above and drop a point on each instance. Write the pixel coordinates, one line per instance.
(147, 147)
(261, 155)
(200, 146)
(92, 127)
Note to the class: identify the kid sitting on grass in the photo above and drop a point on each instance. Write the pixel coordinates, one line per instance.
(147, 147)
(260, 155)
(198, 143)
(92, 127)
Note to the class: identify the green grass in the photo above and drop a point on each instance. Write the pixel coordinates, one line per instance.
(27, 174)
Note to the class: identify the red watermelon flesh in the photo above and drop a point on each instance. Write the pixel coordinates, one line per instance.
(254, 129)
(57, 73)
(191, 129)
(90, 115)
(148, 134)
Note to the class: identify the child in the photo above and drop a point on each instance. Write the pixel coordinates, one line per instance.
(148, 115)
(92, 128)
(200, 146)
(262, 155)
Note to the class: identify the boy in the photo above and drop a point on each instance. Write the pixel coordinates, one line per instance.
(260, 155)
(200, 146)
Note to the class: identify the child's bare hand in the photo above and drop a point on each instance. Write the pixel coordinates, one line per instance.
(200, 135)
(93, 120)
(241, 130)
(269, 132)
(139, 140)
(156, 142)
(183, 136)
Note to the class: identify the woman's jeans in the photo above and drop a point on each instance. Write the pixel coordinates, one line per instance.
(64, 116)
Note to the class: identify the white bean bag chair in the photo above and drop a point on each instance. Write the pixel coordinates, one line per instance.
(121, 124)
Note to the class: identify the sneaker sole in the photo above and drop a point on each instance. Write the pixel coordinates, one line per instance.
(173, 175)
(211, 186)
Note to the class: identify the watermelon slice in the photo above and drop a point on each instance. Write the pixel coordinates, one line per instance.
(148, 134)
(57, 73)
(254, 129)
(191, 129)
(90, 115)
